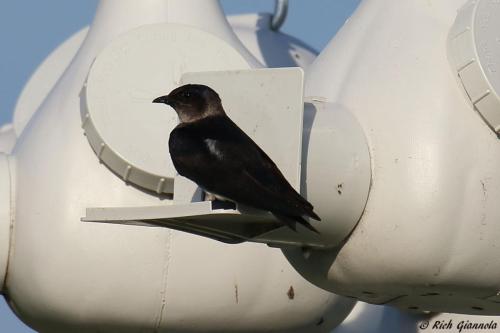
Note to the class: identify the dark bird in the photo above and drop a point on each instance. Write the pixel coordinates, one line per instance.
(211, 150)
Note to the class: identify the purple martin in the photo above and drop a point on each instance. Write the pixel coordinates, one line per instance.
(211, 150)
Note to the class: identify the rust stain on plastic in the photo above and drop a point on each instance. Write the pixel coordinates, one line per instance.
(236, 294)
(290, 293)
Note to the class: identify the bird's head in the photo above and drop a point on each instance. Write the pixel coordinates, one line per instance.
(193, 102)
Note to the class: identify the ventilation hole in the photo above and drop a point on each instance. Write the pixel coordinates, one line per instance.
(413, 307)
(477, 308)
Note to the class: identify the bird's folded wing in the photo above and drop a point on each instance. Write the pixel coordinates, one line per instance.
(226, 161)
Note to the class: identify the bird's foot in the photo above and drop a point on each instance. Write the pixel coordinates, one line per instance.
(219, 202)
(209, 197)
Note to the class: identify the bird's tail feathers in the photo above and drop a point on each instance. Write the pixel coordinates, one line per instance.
(308, 210)
(305, 207)
(312, 214)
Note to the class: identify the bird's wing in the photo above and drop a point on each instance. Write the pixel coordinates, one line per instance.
(225, 161)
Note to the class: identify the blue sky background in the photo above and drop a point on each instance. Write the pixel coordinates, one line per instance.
(31, 29)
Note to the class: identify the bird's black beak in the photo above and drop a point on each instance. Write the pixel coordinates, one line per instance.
(161, 99)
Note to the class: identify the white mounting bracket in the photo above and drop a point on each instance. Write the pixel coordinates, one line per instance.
(218, 220)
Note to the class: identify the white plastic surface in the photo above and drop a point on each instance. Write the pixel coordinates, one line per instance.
(44, 78)
(273, 49)
(126, 130)
(429, 235)
(7, 138)
(69, 276)
(6, 191)
(474, 47)
(336, 173)
(366, 318)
